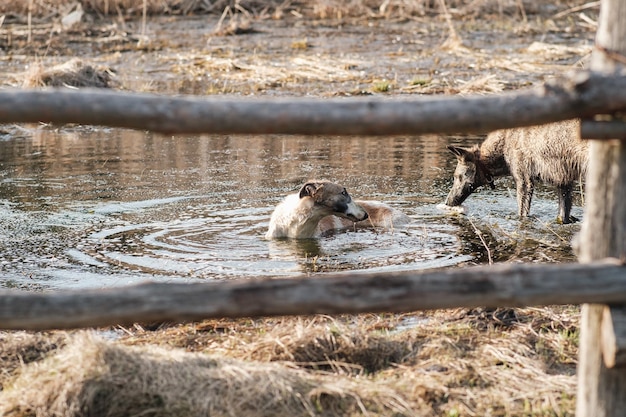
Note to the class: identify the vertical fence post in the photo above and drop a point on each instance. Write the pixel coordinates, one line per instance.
(602, 390)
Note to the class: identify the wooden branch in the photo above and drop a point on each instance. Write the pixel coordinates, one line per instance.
(584, 94)
(603, 233)
(491, 286)
(591, 129)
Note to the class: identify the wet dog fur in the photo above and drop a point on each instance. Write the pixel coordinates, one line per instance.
(551, 153)
(322, 206)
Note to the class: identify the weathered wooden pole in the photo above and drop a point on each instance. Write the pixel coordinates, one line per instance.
(602, 390)
(480, 286)
(577, 95)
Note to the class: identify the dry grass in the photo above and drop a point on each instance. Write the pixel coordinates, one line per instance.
(101, 378)
(276, 9)
(18, 349)
(73, 73)
(448, 63)
(503, 362)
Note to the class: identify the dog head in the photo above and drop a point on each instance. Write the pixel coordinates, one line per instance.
(332, 199)
(469, 175)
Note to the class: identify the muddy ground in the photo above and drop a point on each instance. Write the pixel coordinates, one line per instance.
(291, 54)
(505, 362)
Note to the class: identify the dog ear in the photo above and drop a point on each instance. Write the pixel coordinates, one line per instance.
(460, 153)
(309, 189)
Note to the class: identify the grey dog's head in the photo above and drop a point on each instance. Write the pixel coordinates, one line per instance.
(334, 199)
(469, 175)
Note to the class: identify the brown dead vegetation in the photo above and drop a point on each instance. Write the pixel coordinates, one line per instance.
(73, 73)
(433, 57)
(100, 378)
(18, 349)
(319, 9)
(451, 363)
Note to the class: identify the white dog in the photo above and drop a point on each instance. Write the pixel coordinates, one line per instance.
(321, 206)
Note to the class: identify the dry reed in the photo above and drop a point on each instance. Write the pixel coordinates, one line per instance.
(91, 377)
(469, 362)
(319, 9)
(73, 73)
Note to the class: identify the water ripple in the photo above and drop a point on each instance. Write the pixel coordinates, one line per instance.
(221, 243)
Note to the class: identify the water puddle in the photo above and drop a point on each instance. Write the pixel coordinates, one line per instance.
(211, 242)
(411, 322)
(92, 208)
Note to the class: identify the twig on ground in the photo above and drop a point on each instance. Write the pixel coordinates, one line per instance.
(575, 9)
(482, 239)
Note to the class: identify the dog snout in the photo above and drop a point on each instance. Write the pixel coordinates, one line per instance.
(359, 213)
(357, 217)
(354, 212)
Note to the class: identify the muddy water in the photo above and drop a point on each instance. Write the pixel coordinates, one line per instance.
(95, 207)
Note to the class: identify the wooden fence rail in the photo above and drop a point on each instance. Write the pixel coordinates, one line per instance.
(582, 94)
(491, 286)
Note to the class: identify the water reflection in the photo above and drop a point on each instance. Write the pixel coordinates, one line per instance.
(92, 207)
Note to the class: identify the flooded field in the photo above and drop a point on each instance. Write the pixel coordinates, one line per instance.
(95, 207)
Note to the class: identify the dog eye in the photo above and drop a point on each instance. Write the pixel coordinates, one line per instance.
(344, 192)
